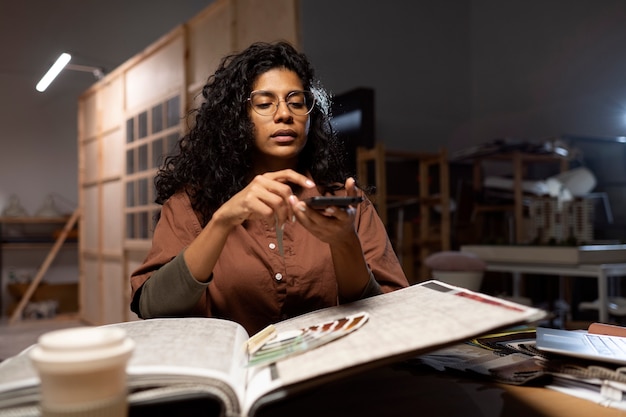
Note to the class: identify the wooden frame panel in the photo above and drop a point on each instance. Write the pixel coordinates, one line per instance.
(259, 21)
(210, 38)
(160, 72)
(115, 283)
(91, 155)
(91, 209)
(112, 148)
(90, 296)
(110, 94)
(112, 239)
(89, 117)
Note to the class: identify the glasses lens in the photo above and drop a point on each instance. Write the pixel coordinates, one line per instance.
(265, 103)
(300, 102)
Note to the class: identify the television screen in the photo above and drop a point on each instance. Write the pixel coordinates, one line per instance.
(352, 118)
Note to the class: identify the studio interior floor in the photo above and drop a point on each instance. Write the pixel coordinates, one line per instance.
(17, 336)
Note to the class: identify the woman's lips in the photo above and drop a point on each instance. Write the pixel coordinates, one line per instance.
(286, 135)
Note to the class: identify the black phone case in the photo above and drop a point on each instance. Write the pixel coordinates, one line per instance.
(338, 201)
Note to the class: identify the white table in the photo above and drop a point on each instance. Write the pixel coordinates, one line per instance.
(601, 272)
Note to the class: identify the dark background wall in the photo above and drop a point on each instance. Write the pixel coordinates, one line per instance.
(415, 55)
(542, 68)
(460, 72)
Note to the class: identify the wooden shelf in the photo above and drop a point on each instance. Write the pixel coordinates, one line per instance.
(518, 160)
(34, 220)
(433, 233)
(34, 245)
(33, 242)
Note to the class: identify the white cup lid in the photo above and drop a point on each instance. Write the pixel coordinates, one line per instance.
(81, 349)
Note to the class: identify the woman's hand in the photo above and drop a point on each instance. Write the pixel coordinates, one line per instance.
(267, 196)
(333, 225)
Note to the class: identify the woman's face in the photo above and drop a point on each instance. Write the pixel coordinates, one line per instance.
(278, 137)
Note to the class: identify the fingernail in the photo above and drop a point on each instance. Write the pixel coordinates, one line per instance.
(329, 210)
(293, 218)
(310, 183)
(293, 199)
(301, 207)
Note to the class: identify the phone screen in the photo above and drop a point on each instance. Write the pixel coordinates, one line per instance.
(338, 201)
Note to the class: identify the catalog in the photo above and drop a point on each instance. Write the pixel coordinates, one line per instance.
(182, 356)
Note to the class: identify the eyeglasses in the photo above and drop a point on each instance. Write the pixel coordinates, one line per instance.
(265, 103)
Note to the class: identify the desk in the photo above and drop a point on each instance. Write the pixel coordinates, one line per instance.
(420, 391)
(600, 271)
(595, 261)
(405, 391)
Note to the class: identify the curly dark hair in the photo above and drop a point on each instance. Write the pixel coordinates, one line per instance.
(213, 161)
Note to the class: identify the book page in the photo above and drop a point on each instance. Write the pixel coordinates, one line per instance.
(177, 351)
(18, 378)
(401, 324)
(188, 350)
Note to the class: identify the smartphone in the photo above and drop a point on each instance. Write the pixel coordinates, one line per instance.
(331, 200)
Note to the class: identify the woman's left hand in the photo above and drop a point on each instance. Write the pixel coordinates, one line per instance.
(332, 224)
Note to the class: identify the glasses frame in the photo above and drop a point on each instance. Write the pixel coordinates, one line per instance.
(286, 101)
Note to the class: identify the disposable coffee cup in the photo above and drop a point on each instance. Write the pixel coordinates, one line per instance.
(83, 371)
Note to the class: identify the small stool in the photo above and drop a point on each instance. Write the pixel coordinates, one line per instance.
(461, 269)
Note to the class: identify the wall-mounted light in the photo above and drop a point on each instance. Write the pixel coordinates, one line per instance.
(52, 73)
(61, 63)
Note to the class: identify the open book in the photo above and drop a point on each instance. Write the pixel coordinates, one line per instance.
(175, 358)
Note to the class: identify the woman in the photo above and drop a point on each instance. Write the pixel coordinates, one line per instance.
(235, 238)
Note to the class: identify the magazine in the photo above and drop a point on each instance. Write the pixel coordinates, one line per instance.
(178, 357)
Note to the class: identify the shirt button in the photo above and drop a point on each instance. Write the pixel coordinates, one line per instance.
(278, 276)
(272, 246)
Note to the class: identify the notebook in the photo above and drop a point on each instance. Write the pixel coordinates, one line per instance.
(600, 347)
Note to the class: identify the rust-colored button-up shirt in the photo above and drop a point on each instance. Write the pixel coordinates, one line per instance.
(252, 283)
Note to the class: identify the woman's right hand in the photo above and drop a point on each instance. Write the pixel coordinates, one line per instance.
(265, 197)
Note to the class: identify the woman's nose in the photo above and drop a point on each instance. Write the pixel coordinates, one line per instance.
(283, 112)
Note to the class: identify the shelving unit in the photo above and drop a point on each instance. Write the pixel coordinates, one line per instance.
(519, 161)
(32, 242)
(430, 192)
